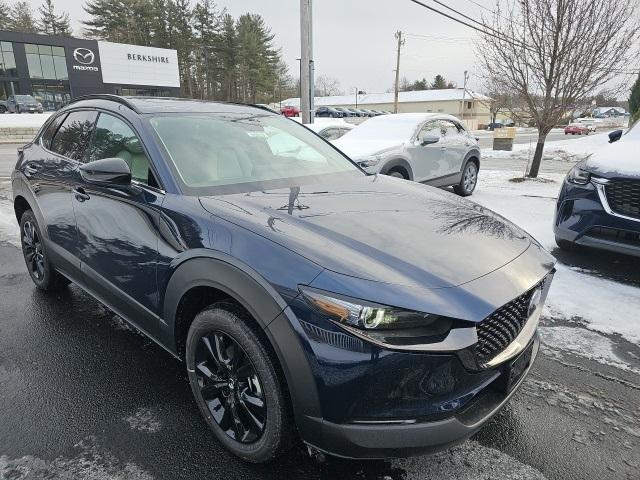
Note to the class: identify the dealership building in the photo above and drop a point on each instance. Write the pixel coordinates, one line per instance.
(55, 69)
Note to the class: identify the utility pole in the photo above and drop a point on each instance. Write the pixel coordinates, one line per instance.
(464, 92)
(356, 97)
(397, 88)
(306, 63)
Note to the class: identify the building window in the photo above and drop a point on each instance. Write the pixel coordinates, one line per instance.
(7, 60)
(52, 97)
(142, 92)
(46, 62)
(468, 105)
(7, 89)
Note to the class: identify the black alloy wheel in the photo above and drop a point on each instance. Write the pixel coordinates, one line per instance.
(32, 250)
(231, 387)
(238, 384)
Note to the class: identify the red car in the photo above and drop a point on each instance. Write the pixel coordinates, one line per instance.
(289, 111)
(576, 129)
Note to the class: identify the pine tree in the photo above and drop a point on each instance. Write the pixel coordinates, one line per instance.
(109, 20)
(634, 101)
(439, 83)
(5, 16)
(51, 23)
(21, 18)
(229, 57)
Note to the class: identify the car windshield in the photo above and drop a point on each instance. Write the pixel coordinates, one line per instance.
(25, 98)
(223, 150)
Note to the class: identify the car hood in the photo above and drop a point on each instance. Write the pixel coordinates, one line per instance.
(619, 160)
(378, 228)
(359, 148)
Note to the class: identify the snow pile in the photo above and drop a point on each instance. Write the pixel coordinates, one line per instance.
(570, 150)
(23, 120)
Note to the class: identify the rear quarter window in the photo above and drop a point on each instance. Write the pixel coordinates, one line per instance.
(51, 130)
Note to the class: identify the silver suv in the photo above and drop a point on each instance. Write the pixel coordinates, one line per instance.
(432, 148)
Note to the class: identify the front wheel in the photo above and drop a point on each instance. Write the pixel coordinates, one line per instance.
(237, 385)
(468, 181)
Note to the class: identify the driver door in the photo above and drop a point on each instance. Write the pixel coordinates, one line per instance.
(117, 227)
(427, 160)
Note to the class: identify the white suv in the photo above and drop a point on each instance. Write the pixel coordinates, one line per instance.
(432, 148)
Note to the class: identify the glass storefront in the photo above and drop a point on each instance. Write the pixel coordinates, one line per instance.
(46, 62)
(7, 60)
(142, 92)
(52, 97)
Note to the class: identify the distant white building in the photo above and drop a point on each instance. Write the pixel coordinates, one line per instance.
(464, 104)
(609, 112)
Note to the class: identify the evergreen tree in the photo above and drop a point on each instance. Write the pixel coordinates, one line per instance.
(634, 101)
(51, 23)
(21, 18)
(5, 16)
(229, 57)
(440, 83)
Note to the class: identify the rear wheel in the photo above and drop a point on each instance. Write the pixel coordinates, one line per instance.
(35, 255)
(398, 173)
(468, 181)
(237, 385)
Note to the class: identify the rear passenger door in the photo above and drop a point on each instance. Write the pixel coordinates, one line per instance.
(117, 226)
(51, 167)
(455, 140)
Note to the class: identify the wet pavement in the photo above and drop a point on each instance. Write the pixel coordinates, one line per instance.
(85, 396)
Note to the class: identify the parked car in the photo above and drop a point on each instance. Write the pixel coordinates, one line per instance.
(290, 111)
(3, 106)
(368, 113)
(576, 129)
(356, 112)
(425, 147)
(331, 130)
(346, 112)
(329, 112)
(599, 203)
(369, 316)
(589, 123)
(23, 103)
(493, 125)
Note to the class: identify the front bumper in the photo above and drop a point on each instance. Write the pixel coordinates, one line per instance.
(377, 440)
(583, 217)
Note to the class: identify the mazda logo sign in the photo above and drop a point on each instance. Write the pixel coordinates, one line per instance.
(84, 56)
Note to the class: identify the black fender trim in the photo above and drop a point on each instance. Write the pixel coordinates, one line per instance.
(259, 298)
(398, 162)
(471, 154)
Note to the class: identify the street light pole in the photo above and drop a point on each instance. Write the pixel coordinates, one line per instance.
(306, 63)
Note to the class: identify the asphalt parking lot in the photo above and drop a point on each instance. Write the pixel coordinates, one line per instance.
(82, 395)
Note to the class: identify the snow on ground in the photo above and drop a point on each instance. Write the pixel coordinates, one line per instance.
(9, 231)
(575, 294)
(35, 120)
(570, 149)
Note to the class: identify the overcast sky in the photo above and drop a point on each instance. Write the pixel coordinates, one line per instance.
(354, 39)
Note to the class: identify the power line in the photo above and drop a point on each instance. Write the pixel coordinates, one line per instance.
(499, 35)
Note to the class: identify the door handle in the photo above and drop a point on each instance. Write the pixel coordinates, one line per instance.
(80, 194)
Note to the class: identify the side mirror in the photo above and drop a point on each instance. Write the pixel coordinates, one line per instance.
(615, 136)
(107, 170)
(429, 140)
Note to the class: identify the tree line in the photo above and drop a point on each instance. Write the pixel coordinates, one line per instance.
(20, 17)
(220, 57)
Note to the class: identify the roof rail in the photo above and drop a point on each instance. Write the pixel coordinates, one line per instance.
(107, 96)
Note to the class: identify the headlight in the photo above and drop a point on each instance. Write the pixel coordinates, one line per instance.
(366, 316)
(578, 176)
(369, 161)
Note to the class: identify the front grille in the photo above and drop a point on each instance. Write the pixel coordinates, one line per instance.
(624, 197)
(502, 327)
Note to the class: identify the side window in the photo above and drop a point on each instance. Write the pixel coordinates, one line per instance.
(73, 137)
(51, 130)
(449, 129)
(114, 138)
(430, 129)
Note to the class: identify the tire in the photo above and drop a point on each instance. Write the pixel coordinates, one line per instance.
(398, 173)
(3, 109)
(271, 432)
(41, 271)
(469, 179)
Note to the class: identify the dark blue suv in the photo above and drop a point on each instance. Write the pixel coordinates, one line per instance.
(367, 315)
(599, 204)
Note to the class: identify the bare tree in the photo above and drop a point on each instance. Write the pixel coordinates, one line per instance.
(556, 53)
(327, 86)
